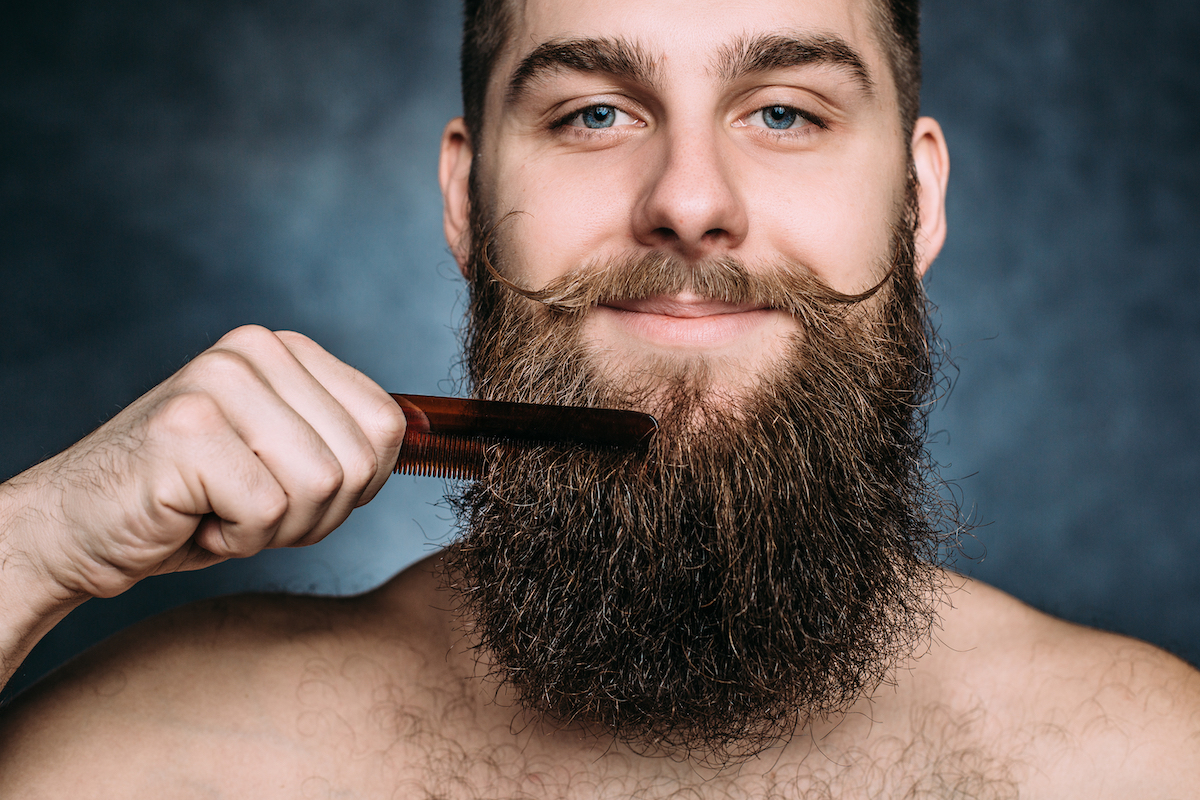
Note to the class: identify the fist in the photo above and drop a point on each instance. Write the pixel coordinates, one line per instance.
(264, 440)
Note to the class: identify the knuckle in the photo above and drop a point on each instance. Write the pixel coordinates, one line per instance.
(326, 479)
(360, 468)
(235, 546)
(294, 341)
(223, 365)
(251, 336)
(240, 547)
(188, 414)
(271, 508)
(252, 342)
(390, 424)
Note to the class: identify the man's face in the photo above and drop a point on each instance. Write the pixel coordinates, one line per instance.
(718, 180)
(765, 131)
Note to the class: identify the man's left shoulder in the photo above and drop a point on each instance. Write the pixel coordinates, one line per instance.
(1082, 705)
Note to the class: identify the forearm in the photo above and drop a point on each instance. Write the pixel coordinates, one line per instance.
(265, 440)
(31, 601)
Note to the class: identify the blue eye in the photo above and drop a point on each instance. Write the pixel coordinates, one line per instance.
(780, 118)
(598, 117)
(783, 119)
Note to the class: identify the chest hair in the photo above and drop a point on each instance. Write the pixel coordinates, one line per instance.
(430, 743)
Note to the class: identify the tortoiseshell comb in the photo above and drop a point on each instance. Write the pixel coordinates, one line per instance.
(447, 437)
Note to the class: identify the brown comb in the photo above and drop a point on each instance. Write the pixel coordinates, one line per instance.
(447, 437)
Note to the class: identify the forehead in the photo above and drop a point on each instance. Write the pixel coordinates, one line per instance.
(686, 33)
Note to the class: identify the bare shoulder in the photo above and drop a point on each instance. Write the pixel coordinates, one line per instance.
(1107, 715)
(251, 685)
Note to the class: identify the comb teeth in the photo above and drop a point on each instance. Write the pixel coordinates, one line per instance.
(441, 455)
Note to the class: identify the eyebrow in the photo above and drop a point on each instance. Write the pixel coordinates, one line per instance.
(631, 62)
(616, 57)
(769, 52)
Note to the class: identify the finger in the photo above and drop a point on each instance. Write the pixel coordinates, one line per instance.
(357, 421)
(374, 413)
(312, 400)
(234, 502)
(190, 557)
(280, 435)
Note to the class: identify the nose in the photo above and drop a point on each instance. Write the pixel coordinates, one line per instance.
(690, 202)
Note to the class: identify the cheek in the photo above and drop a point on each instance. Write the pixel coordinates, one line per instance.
(566, 216)
(830, 212)
(832, 219)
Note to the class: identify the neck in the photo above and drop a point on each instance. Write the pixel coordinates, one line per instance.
(494, 704)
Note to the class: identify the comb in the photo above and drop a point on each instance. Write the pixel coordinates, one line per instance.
(447, 437)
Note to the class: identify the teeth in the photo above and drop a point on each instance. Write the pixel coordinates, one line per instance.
(439, 455)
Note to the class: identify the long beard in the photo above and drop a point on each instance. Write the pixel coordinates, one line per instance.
(767, 563)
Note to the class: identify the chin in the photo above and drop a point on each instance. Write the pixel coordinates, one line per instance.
(648, 377)
(647, 372)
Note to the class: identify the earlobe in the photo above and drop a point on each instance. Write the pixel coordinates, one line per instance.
(932, 162)
(454, 174)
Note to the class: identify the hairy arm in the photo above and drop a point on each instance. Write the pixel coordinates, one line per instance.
(264, 440)
(30, 602)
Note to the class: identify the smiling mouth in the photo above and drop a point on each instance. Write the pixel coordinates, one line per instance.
(682, 306)
(687, 320)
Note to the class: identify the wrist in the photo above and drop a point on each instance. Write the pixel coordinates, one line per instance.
(32, 600)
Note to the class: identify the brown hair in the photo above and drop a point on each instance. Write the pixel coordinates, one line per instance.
(487, 27)
(898, 25)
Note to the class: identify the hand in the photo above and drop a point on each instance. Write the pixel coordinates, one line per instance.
(264, 440)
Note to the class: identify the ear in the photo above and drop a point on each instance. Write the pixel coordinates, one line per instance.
(932, 161)
(454, 173)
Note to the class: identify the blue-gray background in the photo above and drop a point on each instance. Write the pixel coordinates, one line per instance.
(169, 170)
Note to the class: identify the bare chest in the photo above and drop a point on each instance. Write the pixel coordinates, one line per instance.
(436, 757)
(360, 731)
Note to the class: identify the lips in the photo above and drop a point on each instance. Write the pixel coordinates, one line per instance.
(682, 306)
(686, 320)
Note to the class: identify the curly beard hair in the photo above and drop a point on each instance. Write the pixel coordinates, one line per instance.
(766, 564)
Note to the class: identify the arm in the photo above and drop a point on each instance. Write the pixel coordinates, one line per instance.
(264, 440)
(29, 607)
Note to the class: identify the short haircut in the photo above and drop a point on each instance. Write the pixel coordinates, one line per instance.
(487, 27)
(898, 26)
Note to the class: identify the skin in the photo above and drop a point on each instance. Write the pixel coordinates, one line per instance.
(698, 173)
(266, 440)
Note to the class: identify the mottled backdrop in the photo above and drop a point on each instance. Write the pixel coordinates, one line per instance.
(169, 170)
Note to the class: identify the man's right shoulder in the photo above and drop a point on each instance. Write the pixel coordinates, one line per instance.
(1104, 714)
(251, 684)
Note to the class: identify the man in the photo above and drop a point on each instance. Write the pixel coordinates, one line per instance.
(716, 213)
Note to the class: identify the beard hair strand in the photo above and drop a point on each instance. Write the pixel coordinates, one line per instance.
(767, 564)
